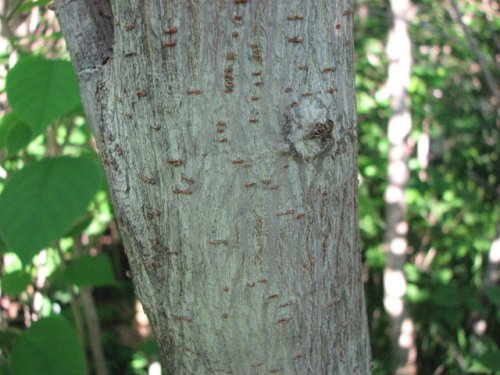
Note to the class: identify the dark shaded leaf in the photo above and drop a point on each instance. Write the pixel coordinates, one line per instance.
(49, 347)
(15, 282)
(89, 271)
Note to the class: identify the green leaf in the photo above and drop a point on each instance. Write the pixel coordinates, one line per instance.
(8, 121)
(79, 226)
(5, 368)
(31, 4)
(415, 295)
(447, 296)
(15, 282)
(89, 271)
(3, 246)
(15, 134)
(490, 360)
(150, 348)
(41, 90)
(44, 200)
(375, 258)
(19, 137)
(49, 347)
(493, 294)
(7, 338)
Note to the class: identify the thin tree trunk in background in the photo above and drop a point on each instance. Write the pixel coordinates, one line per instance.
(91, 319)
(94, 331)
(4, 44)
(492, 275)
(228, 133)
(423, 149)
(399, 55)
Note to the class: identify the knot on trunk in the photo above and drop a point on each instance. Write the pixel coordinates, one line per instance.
(309, 130)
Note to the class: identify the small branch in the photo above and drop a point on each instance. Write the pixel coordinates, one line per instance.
(490, 81)
(51, 138)
(77, 316)
(91, 320)
(490, 16)
(75, 309)
(10, 9)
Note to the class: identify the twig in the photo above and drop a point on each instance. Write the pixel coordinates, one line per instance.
(91, 320)
(490, 16)
(490, 81)
(77, 316)
(75, 309)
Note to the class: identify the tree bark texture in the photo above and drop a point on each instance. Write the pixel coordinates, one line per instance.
(228, 134)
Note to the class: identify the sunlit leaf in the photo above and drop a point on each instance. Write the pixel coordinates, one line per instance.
(41, 90)
(414, 294)
(31, 4)
(42, 202)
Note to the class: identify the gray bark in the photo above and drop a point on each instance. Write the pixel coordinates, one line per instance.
(228, 134)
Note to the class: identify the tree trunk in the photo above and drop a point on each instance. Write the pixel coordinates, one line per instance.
(401, 324)
(492, 275)
(228, 134)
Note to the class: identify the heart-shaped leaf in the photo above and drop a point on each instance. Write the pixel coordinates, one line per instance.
(41, 90)
(41, 202)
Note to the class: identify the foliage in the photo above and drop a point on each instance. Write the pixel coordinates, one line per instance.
(45, 199)
(41, 90)
(58, 236)
(453, 204)
(49, 347)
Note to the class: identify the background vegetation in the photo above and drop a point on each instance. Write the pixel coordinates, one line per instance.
(62, 266)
